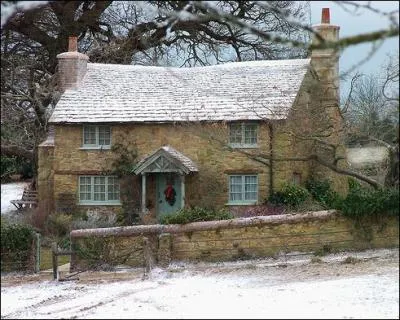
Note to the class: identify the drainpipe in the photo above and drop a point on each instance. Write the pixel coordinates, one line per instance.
(271, 155)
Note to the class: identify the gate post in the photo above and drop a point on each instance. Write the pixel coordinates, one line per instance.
(37, 260)
(55, 260)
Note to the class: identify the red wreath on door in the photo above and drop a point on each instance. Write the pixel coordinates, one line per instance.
(170, 194)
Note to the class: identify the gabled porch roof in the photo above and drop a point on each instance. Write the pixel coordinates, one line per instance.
(165, 159)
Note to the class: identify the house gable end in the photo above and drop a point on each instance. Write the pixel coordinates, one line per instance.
(165, 159)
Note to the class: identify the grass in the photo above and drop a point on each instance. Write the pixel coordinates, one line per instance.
(46, 261)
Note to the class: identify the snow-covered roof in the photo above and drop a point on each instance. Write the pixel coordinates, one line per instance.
(250, 90)
(165, 159)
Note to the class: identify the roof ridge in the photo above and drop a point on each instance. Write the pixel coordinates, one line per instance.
(250, 63)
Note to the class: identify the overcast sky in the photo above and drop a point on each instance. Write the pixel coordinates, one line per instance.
(355, 23)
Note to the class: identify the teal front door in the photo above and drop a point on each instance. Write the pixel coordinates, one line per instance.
(168, 184)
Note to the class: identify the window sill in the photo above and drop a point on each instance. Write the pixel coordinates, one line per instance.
(247, 203)
(99, 203)
(95, 148)
(244, 146)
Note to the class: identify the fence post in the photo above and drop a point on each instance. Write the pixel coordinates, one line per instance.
(164, 249)
(147, 256)
(55, 260)
(37, 265)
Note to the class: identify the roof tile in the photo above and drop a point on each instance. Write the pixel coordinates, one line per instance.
(232, 91)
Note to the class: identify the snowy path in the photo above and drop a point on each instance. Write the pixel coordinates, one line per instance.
(368, 289)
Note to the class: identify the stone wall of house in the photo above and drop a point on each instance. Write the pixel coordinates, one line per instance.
(264, 236)
(204, 144)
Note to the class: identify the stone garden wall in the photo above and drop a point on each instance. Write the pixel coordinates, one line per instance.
(242, 238)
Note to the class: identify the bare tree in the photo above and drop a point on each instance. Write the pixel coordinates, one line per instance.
(370, 114)
(150, 32)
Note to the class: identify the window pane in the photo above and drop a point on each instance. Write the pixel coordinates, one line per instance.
(235, 188)
(99, 189)
(104, 136)
(113, 188)
(85, 188)
(236, 180)
(89, 135)
(250, 188)
(235, 197)
(250, 134)
(235, 133)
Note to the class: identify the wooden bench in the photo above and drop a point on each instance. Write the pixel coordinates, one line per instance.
(28, 200)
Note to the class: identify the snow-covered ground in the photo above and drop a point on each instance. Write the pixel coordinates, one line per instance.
(290, 286)
(11, 191)
(285, 287)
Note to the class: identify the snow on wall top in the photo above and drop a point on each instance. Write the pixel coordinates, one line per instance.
(250, 90)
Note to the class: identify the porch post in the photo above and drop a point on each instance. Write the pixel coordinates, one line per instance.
(143, 192)
(183, 190)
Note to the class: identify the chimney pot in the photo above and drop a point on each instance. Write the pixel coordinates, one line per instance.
(73, 44)
(325, 18)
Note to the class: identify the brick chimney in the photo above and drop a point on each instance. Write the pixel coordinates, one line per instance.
(326, 61)
(72, 66)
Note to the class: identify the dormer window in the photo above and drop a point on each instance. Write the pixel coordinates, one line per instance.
(96, 137)
(243, 135)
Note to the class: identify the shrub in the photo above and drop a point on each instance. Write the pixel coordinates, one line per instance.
(15, 165)
(59, 224)
(195, 214)
(291, 195)
(16, 236)
(362, 202)
(322, 192)
(16, 243)
(359, 202)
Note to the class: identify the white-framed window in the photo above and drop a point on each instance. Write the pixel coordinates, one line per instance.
(243, 135)
(243, 189)
(99, 190)
(96, 137)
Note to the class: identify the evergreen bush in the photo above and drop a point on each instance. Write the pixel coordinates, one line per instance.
(321, 191)
(291, 195)
(16, 246)
(359, 202)
(194, 215)
(363, 202)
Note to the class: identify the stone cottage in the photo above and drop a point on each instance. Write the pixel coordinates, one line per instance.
(218, 136)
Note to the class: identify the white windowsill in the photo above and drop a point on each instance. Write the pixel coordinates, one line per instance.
(249, 203)
(243, 146)
(99, 203)
(95, 148)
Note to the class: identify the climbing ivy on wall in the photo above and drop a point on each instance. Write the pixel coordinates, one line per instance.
(124, 157)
